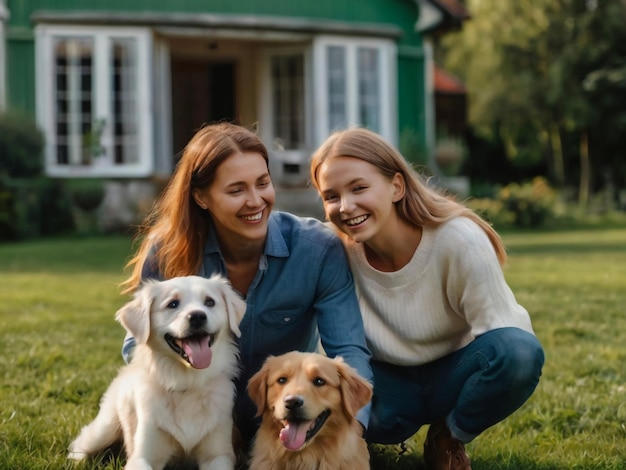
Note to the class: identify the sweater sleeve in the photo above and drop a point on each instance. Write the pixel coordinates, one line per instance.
(474, 281)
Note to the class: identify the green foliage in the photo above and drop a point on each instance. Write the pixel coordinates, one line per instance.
(542, 72)
(492, 210)
(33, 207)
(450, 154)
(531, 204)
(412, 147)
(62, 348)
(21, 145)
(86, 193)
(528, 205)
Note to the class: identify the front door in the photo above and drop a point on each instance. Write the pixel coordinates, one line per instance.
(202, 92)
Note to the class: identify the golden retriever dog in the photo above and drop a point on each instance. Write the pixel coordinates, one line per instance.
(308, 404)
(175, 398)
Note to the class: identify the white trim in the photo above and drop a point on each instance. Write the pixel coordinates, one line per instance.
(429, 100)
(162, 119)
(319, 92)
(265, 102)
(101, 104)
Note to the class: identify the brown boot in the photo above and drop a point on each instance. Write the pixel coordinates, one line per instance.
(442, 451)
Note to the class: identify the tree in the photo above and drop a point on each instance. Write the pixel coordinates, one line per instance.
(547, 73)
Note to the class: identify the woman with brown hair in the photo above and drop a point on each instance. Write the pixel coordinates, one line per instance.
(451, 347)
(215, 216)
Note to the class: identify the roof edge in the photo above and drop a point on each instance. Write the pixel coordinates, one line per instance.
(214, 20)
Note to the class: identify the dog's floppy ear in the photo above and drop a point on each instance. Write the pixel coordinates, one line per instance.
(356, 392)
(135, 315)
(235, 306)
(257, 388)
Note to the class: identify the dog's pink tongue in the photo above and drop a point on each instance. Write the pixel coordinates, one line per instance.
(198, 351)
(294, 434)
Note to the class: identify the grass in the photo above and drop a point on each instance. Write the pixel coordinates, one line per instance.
(61, 348)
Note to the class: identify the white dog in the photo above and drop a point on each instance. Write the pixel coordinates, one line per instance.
(175, 398)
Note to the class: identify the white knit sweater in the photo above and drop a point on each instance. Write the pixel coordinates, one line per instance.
(452, 290)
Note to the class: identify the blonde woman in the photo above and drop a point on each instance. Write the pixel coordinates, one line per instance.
(451, 347)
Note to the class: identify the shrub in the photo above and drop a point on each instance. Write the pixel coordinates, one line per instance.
(492, 211)
(87, 194)
(531, 204)
(450, 153)
(33, 207)
(21, 145)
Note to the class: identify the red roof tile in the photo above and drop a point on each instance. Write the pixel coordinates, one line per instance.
(447, 83)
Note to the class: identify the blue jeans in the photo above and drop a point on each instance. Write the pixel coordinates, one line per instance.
(472, 388)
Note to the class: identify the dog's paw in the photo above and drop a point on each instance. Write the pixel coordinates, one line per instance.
(76, 456)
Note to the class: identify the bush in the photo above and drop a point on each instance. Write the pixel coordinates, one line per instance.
(33, 207)
(529, 205)
(450, 154)
(87, 194)
(492, 211)
(21, 145)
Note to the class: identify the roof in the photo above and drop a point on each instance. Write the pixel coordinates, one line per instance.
(446, 83)
(453, 8)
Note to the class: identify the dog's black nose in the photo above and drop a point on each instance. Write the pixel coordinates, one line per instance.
(293, 402)
(196, 319)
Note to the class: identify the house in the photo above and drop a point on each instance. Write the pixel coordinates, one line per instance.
(119, 87)
(450, 103)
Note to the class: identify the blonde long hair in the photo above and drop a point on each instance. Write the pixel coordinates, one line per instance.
(422, 205)
(176, 229)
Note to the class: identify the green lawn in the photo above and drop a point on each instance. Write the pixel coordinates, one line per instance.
(61, 348)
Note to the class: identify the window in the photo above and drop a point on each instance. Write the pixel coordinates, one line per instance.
(337, 83)
(94, 101)
(355, 85)
(369, 87)
(287, 72)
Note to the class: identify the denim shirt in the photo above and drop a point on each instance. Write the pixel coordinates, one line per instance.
(303, 292)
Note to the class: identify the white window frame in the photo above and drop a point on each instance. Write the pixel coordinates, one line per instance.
(266, 102)
(387, 84)
(104, 165)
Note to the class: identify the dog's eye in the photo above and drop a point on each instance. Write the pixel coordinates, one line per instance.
(173, 304)
(318, 381)
(209, 302)
(282, 380)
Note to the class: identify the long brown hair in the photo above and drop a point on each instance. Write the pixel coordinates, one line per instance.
(422, 205)
(177, 227)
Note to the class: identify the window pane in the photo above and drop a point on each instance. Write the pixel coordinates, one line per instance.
(124, 111)
(337, 96)
(288, 99)
(369, 88)
(73, 58)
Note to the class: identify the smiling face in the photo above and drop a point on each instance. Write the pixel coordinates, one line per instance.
(240, 198)
(306, 398)
(187, 318)
(357, 197)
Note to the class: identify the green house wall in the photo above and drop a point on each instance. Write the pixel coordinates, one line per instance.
(397, 13)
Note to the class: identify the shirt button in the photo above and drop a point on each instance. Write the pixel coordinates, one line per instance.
(287, 319)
